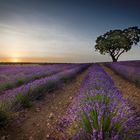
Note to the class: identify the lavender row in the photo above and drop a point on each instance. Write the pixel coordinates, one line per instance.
(23, 70)
(135, 63)
(132, 73)
(11, 80)
(104, 114)
(40, 86)
(104, 109)
(7, 69)
(13, 69)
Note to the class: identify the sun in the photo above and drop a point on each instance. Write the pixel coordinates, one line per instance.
(15, 60)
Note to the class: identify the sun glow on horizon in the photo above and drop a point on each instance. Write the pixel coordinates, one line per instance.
(15, 60)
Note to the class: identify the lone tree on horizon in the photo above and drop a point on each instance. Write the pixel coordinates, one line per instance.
(116, 42)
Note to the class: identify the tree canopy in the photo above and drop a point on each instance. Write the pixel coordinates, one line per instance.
(116, 42)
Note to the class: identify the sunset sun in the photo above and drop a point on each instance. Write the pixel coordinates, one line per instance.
(15, 60)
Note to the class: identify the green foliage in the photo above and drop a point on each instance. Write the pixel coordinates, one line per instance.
(133, 33)
(8, 85)
(4, 115)
(86, 123)
(94, 117)
(65, 79)
(20, 82)
(100, 98)
(92, 121)
(38, 93)
(116, 42)
(106, 122)
(24, 100)
(118, 126)
(51, 85)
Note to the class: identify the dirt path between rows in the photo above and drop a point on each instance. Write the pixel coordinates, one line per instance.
(128, 89)
(39, 122)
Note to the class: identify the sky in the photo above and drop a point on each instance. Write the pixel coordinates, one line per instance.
(62, 30)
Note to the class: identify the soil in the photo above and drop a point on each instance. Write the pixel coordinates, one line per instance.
(129, 90)
(41, 120)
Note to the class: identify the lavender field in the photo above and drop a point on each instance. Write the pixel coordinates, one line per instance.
(34, 80)
(129, 70)
(69, 69)
(97, 109)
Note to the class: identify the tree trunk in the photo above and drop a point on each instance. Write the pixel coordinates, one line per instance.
(113, 58)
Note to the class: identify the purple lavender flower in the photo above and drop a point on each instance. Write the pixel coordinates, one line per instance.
(17, 75)
(42, 85)
(128, 70)
(105, 114)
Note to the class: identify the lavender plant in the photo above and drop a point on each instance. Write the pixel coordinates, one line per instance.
(38, 87)
(104, 113)
(4, 114)
(18, 75)
(127, 70)
(24, 100)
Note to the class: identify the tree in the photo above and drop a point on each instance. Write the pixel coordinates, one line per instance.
(116, 42)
